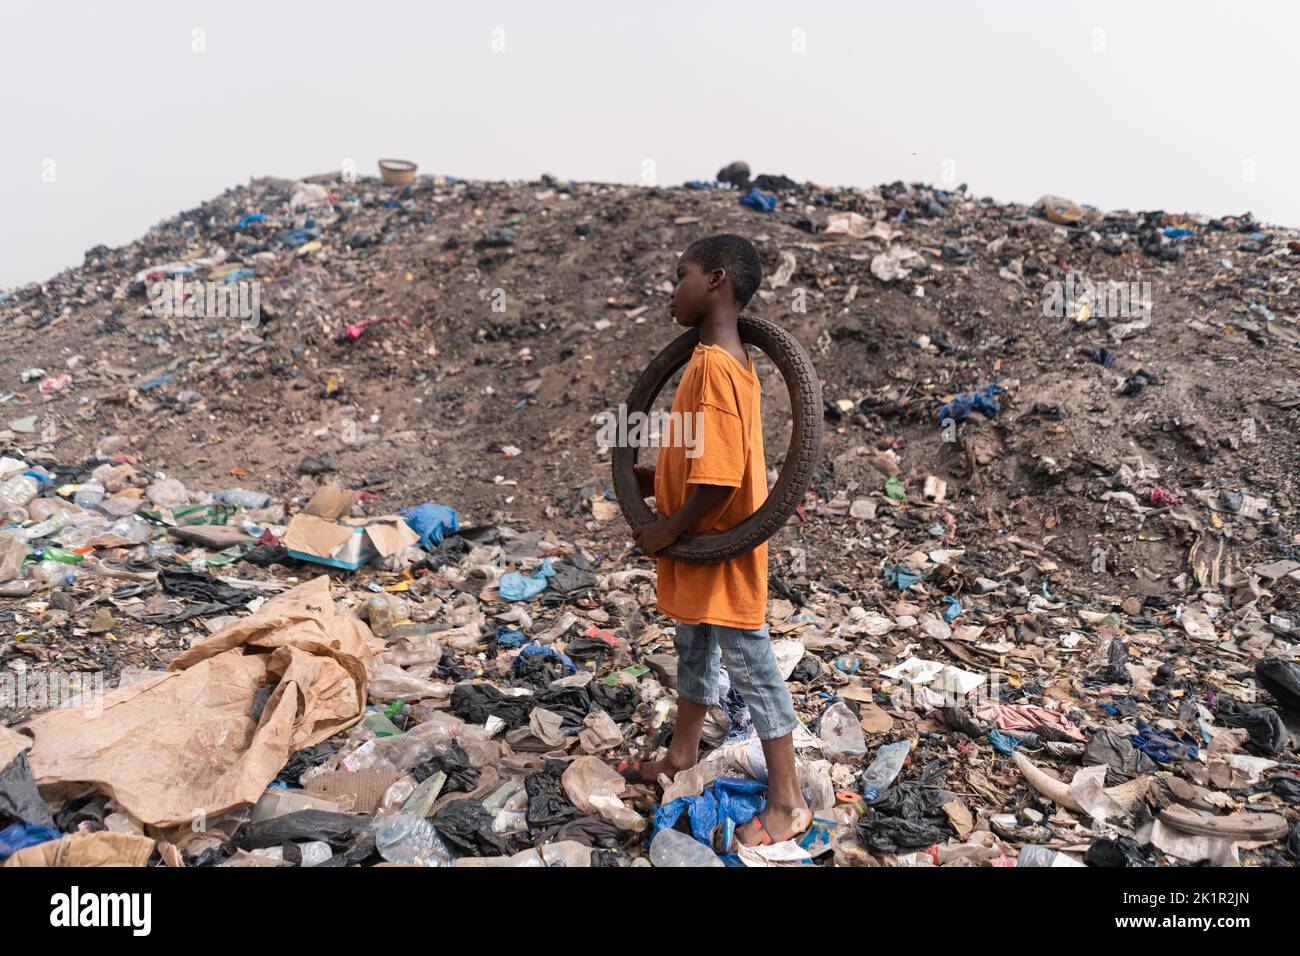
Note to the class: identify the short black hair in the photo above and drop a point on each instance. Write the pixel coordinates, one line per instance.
(736, 255)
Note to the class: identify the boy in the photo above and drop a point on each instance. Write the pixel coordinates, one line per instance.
(712, 486)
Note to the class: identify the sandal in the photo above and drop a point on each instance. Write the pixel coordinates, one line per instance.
(767, 840)
(631, 772)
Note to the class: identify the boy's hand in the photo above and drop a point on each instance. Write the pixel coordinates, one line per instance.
(645, 476)
(655, 536)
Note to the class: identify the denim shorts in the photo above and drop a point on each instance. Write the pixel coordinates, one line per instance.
(751, 665)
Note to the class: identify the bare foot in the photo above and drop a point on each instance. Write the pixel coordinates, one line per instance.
(781, 822)
(651, 769)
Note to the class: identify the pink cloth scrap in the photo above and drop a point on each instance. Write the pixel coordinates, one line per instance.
(1027, 717)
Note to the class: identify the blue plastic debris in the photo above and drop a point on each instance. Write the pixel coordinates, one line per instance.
(953, 610)
(153, 383)
(532, 648)
(901, 577)
(699, 184)
(1173, 232)
(509, 637)
(757, 199)
(515, 587)
(245, 221)
(729, 798)
(23, 834)
(430, 520)
(959, 408)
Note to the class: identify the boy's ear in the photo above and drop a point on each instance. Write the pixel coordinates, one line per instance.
(717, 277)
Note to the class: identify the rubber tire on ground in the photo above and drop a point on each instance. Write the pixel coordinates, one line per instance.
(800, 460)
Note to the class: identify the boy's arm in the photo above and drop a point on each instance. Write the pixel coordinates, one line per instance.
(657, 535)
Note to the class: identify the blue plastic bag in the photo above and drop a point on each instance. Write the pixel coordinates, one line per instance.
(532, 648)
(757, 199)
(430, 520)
(509, 637)
(729, 798)
(23, 834)
(515, 587)
(959, 408)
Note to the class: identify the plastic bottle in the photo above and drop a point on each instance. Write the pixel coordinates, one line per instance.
(51, 553)
(17, 491)
(883, 770)
(1031, 855)
(407, 838)
(383, 611)
(46, 529)
(89, 495)
(841, 733)
(52, 572)
(674, 848)
(240, 498)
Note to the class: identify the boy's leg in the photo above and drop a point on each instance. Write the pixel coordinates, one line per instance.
(697, 690)
(752, 667)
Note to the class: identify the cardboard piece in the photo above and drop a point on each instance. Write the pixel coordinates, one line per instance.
(103, 848)
(348, 543)
(184, 743)
(331, 503)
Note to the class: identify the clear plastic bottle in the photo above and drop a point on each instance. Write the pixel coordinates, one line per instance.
(1031, 855)
(241, 498)
(53, 572)
(674, 848)
(46, 529)
(89, 495)
(17, 491)
(383, 611)
(841, 733)
(883, 770)
(407, 838)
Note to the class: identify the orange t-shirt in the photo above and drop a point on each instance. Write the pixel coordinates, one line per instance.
(721, 445)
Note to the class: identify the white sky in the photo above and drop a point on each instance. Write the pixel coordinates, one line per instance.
(1185, 106)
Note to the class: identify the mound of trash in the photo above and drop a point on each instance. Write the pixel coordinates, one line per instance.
(309, 554)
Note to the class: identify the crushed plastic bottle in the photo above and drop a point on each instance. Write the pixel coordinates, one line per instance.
(841, 733)
(407, 838)
(889, 761)
(674, 848)
(1031, 855)
(240, 498)
(52, 572)
(17, 491)
(46, 529)
(89, 495)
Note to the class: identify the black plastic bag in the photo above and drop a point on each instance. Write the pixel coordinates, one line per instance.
(303, 760)
(1122, 759)
(590, 831)
(202, 586)
(571, 703)
(896, 835)
(1114, 672)
(475, 703)
(455, 764)
(619, 701)
(336, 829)
(19, 796)
(1268, 734)
(547, 802)
(1121, 852)
(467, 827)
(1281, 678)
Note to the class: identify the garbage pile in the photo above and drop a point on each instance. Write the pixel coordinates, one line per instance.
(346, 585)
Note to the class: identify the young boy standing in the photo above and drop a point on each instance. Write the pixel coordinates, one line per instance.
(712, 485)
